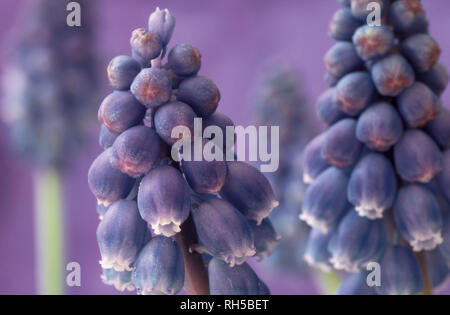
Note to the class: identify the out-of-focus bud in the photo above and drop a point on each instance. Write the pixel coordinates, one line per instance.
(313, 162)
(356, 242)
(355, 284)
(400, 272)
(438, 269)
(444, 177)
(325, 200)
(445, 246)
(162, 22)
(239, 280)
(340, 147)
(159, 268)
(372, 186)
(316, 252)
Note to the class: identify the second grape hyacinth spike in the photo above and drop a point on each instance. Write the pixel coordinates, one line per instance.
(142, 187)
(386, 199)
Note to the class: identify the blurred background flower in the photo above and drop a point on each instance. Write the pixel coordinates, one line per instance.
(49, 91)
(236, 38)
(278, 100)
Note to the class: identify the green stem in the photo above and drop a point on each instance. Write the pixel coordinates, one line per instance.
(48, 232)
(328, 282)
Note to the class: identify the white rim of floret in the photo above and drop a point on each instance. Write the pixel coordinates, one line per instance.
(344, 263)
(164, 221)
(239, 257)
(320, 265)
(307, 179)
(167, 230)
(370, 212)
(118, 285)
(395, 292)
(116, 264)
(153, 291)
(427, 243)
(314, 222)
(269, 248)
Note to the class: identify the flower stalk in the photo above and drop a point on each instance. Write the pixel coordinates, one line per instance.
(427, 285)
(48, 232)
(196, 277)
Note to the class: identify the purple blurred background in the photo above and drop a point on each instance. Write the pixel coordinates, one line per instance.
(236, 38)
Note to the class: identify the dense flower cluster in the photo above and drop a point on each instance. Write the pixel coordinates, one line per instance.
(278, 101)
(140, 186)
(379, 176)
(49, 83)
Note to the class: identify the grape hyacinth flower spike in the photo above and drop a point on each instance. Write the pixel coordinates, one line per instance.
(390, 157)
(143, 187)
